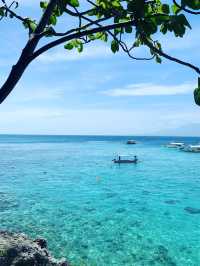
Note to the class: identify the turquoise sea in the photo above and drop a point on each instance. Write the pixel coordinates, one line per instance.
(92, 212)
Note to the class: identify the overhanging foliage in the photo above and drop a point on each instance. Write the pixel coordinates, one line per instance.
(105, 20)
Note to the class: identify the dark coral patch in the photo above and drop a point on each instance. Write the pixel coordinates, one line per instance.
(167, 213)
(162, 257)
(192, 210)
(7, 203)
(89, 209)
(135, 224)
(171, 202)
(120, 210)
(111, 195)
(145, 192)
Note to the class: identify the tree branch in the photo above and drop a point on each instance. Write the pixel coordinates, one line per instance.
(171, 58)
(77, 35)
(11, 12)
(25, 58)
(121, 43)
(186, 9)
(79, 28)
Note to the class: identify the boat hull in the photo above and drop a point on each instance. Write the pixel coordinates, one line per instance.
(125, 161)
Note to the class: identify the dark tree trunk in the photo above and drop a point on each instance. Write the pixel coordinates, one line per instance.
(13, 78)
(25, 58)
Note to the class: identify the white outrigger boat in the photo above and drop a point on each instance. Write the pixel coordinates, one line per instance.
(125, 159)
(131, 141)
(176, 145)
(192, 148)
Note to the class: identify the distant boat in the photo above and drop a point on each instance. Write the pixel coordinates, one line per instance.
(125, 159)
(176, 145)
(131, 141)
(192, 148)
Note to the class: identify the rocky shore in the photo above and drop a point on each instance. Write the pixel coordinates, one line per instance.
(19, 250)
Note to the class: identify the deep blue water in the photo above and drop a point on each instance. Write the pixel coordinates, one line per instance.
(95, 213)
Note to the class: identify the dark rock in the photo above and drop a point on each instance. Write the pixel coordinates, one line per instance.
(171, 202)
(162, 257)
(192, 210)
(85, 246)
(109, 240)
(162, 250)
(136, 224)
(111, 195)
(89, 209)
(120, 210)
(143, 209)
(7, 203)
(150, 240)
(139, 237)
(97, 223)
(18, 250)
(145, 192)
(41, 242)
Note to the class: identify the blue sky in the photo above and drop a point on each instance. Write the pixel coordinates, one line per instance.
(97, 92)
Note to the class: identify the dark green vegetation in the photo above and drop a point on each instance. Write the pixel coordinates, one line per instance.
(106, 20)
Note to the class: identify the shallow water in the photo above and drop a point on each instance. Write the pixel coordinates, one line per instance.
(67, 190)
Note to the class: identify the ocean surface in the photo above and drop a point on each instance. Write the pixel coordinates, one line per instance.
(95, 213)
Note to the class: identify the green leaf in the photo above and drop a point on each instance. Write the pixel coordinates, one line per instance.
(80, 48)
(193, 4)
(137, 7)
(69, 46)
(163, 28)
(158, 59)
(102, 36)
(53, 20)
(114, 46)
(74, 3)
(43, 4)
(197, 93)
(175, 9)
(184, 21)
(92, 37)
(1, 11)
(32, 26)
(137, 43)
(165, 9)
(128, 29)
(150, 26)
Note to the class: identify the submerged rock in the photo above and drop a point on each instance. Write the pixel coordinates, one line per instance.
(171, 202)
(18, 250)
(7, 202)
(162, 257)
(192, 210)
(120, 210)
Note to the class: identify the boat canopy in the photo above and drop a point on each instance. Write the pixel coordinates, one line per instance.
(177, 143)
(195, 146)
(124, 156)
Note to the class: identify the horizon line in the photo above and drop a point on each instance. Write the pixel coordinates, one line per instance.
(95, 135)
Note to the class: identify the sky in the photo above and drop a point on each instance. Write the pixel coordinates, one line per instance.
(98, 92)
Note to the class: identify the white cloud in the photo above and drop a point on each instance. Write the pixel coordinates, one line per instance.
(65, 55)
(45, 120)
(148, 89)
